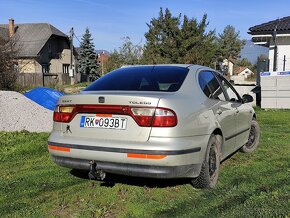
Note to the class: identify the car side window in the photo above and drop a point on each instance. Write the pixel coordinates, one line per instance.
(230, 92)
(210, 85)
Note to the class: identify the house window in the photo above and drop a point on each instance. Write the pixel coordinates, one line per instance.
(65, 68)
(45, 68)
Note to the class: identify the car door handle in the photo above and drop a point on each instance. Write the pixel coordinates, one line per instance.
(219, 111)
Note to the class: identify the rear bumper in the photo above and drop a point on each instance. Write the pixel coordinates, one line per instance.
(156, 158)
(183, 171)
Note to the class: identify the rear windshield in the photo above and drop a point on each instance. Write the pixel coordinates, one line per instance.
(145, 78)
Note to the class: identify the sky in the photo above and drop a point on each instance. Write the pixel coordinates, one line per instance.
(111, 20)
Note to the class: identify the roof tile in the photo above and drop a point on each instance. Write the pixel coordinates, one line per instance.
(31, 37)
(282, 25)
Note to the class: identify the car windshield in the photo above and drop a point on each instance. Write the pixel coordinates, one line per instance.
(143, 78)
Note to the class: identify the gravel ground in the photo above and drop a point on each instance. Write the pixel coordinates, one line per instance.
(20, 113)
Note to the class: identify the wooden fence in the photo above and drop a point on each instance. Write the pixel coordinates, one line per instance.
(39, 79)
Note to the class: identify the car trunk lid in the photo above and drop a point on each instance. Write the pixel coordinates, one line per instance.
(108, 116)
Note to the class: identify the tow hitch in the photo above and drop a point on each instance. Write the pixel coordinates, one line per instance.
(95, 173)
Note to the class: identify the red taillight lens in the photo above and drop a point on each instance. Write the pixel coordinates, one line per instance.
(56, 117)
(155, 117)
(63, 113)
(164, 118)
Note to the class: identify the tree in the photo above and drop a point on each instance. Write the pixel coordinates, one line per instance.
(8, 71)
(243, 63)
(130, 54)
(162, 39)
(174, 40)
(230, 44)
(197, 45)
(87, 58)
(127, 54)
(263, 57)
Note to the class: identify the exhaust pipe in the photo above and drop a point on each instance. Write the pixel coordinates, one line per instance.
(95, 173)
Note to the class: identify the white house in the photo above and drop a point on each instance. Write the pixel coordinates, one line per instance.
(241, 74)
(276, 36)
(244, 72)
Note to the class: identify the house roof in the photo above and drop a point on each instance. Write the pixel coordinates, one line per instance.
(31, 37)
(282, 25)
(238, 70)
(4, 33)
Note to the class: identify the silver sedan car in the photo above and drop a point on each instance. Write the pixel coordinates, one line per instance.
(158, 121)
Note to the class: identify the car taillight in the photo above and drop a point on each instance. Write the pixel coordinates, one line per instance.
(154, 117)
(64, 113)
(164, 118)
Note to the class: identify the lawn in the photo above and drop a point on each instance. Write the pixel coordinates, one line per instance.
(250, 185)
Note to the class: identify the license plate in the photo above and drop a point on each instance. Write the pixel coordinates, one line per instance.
(103, 122)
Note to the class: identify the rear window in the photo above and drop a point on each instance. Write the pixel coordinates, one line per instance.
(145, 78)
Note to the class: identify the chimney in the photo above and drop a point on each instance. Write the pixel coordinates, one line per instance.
(11, 27)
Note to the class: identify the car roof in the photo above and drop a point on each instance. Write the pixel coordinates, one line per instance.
(192, 67)
(153, 65)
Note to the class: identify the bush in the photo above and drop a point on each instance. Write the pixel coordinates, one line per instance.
(8, 70)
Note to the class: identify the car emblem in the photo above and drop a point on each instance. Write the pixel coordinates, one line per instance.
(101, 99)
(67, 129)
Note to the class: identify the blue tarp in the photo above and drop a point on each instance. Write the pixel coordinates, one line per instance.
(45, 97)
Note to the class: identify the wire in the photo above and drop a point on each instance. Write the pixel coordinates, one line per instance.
(77, 38)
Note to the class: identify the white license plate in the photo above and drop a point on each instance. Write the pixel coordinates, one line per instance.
(103, 122)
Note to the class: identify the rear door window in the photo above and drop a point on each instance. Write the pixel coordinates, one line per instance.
(143, 78)
(210, 85)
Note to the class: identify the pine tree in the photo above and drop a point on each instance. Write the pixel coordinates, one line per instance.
(87, 58)
(163, 39)
(198, 46)
(167, 41)
(230, 44)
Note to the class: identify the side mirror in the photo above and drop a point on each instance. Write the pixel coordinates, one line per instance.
(247, 98)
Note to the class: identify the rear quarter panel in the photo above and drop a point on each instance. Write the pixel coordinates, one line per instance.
(191, 107)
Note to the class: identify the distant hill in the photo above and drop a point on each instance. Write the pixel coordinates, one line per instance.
(252, 51)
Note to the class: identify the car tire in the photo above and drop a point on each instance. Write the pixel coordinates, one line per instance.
(210, 167)
(253, 140)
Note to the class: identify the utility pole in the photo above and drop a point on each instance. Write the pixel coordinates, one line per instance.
(71, 73)
(275, 50)
(284, 63)
(274, 34)
(102, 61)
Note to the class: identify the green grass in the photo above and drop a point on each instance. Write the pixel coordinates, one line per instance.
(250, 185)
(71, 89)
